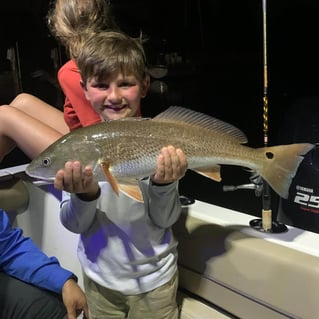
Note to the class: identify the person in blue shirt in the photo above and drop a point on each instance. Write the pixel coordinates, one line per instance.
(33, 285)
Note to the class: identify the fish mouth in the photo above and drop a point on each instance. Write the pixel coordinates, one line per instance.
(39, 180)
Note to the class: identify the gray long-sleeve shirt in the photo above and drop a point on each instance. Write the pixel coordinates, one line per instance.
(126, 245)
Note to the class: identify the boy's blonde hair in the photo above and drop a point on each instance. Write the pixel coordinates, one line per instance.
(72, 21)
(107, 54)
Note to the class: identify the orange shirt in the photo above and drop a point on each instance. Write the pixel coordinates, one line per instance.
(78, 111)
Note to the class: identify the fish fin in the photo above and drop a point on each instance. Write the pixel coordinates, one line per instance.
(132, 191)
(212, 172)
(111, 179)
(281, 164)
(179, 114)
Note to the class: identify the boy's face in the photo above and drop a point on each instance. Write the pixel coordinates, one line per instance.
(117, 97)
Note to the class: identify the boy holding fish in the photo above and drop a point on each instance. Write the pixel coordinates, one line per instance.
(127, 249)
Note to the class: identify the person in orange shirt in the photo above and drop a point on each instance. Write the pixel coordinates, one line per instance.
(30, 123)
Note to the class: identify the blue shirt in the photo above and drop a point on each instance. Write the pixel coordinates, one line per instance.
(22, 259)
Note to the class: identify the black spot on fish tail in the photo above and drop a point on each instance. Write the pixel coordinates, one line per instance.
(269, 155)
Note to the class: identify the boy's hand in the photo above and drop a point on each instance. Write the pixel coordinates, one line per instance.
(171, 165)
(73, 179)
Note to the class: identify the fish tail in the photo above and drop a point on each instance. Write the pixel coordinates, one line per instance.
(281, 163)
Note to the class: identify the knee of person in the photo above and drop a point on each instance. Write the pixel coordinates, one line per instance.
(21, 300)
(21, 99)
(14, 195)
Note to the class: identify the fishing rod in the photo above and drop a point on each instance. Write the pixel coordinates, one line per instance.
(266, 223)
(266, 198)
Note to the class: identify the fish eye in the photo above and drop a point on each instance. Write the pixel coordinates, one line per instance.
(46, 161)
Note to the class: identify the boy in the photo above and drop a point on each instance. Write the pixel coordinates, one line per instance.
(127, 249)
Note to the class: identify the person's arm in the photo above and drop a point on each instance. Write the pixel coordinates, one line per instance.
(80, 193)
(21, 258)
(163, 203)
(77, 109)
(77, 214)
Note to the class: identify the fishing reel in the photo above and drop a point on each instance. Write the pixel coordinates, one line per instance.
(256, 185)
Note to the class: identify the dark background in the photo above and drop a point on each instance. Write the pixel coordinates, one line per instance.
(218, 70)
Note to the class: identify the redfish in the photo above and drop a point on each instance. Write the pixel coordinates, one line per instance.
(122, 151)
